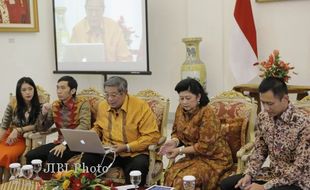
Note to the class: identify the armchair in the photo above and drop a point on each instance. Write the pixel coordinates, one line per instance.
(160, 107)
(237, 114)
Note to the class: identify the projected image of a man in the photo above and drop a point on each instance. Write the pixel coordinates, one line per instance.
(95, 28)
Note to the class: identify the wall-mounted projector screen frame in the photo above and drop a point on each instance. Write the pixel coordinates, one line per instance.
(101, 36)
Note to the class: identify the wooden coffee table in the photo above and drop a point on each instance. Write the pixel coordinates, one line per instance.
(22, 184)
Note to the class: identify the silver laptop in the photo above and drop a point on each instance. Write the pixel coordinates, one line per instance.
(84, 141)
(84, 52)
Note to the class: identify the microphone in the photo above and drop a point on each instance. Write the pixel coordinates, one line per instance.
(116, 114)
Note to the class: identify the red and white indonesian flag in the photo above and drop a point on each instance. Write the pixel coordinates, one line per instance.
(243, 52)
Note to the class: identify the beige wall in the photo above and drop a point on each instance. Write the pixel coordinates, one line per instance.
(283, 25)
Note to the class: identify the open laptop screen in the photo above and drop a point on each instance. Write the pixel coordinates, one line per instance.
(83, 141)
(83, 52)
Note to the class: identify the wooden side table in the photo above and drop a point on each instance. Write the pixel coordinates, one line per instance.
(252, 89)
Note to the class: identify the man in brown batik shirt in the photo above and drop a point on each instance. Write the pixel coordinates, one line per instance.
(281, 133)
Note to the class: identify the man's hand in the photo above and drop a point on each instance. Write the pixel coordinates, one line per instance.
(168, 146)
(120, 148)
(45, 108)
(244, 182)
(254, 186)
(12, 138)
(59, 150)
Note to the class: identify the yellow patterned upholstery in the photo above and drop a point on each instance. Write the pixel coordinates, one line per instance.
(94, 97)
(304, 104)
(237, 114)
(160, 107)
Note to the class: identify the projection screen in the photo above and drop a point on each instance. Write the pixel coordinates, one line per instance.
(101, 36)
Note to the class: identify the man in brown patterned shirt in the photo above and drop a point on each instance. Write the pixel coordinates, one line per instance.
(281, 132)
(68, 112)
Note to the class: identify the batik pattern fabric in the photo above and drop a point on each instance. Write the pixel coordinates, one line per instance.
(283, 139)
(200, 129)
(73, 114)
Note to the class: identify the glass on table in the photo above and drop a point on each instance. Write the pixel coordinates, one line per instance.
(135, 178)
(14, 171)
(37, 166)
(189, 182)
(27, 171)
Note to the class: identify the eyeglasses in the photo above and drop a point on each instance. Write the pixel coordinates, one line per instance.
(112, 95)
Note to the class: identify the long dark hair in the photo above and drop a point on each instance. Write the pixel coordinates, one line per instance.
(194, 87)
(21, 107)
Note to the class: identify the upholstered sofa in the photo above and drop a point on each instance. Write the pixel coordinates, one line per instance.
(160, 107)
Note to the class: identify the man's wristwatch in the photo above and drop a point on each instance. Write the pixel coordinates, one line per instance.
(64, 143)
(181, 150)
(127, 148)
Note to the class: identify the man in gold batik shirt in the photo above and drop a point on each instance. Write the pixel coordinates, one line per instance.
(128, 124)
(95, 28)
